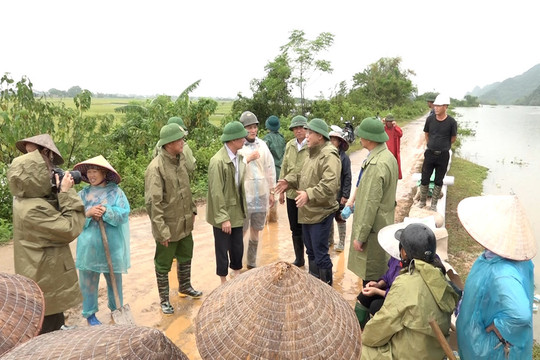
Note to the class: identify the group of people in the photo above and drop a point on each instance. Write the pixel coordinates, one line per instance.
(312, 174)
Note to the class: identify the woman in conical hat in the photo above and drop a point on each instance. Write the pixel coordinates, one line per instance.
(46, 146)
(103, 200)
(495, 316)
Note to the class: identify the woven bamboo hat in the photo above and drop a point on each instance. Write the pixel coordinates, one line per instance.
(499, 223)
(44, 140)
(277, 312)
(21, 310)
(99, 342)
(112, 175)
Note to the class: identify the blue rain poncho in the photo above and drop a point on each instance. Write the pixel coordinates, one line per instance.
(90, 251)
(501, 291)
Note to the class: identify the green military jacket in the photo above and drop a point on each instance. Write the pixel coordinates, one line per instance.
(276, 145)
(188, 154)
(400, 329)
(320, 178)
(226, 199)
(375, 204)
(168, 199)
(43, 227)
(293, 160)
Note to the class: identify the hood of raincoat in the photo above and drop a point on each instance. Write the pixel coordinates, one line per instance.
(29, 177)
(445, 297)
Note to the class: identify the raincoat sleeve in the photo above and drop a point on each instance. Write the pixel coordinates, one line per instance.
(61, 227)
(399, 132)
(118, 212)
(154, 202)
(216, 180)
(389, 319)
(347, 178)
(328, 187)
(367, 201)
(190, 159)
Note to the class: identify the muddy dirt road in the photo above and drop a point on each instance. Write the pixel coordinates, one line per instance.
(140, 290)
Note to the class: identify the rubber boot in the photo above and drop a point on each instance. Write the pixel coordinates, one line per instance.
(423, 195)
(435, 197)
(272, 214)
(252, 254)
(314, 269)
(331, 236)
(298, 244)
(342, 230)
(362, 313)
(163, 289)
(326, 276)
(184, 281)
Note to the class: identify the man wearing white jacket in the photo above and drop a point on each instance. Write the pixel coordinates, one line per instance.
(259, 182)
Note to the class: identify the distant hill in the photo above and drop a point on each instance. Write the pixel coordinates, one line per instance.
(523, 89)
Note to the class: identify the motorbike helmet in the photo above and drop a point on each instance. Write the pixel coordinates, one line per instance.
(419, 242)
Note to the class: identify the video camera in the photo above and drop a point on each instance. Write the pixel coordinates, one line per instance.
(74, 173)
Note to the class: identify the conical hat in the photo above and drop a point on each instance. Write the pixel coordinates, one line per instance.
(44, 140)
(99, 160)
(498, 223)
(99, 342)
(390, 244)
(277, 312)
(21, 310)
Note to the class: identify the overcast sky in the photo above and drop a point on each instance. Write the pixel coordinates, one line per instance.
(161, 47)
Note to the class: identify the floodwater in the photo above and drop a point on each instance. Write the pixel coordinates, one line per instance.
(140, 289)
(507, 141)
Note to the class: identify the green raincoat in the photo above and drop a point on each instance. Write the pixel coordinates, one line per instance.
(168, 198)
(320, 177)
(188, 154)
(276, 145)
(226, 200)
(293, 160)
(43, 227)
(374, 209)
(400, 329)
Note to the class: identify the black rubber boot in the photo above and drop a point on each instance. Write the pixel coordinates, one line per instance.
(298, 244)
(314, 269)
(163, 289)
(326, 276)
(184, 281)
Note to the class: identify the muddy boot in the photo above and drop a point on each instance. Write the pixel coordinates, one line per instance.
(331, 236)
(163, 288)
(314, 269)
(342, 230)
(252, 254)
(184, 281)
(272, 214)
(435, 197)
(423, 196)
(326, 276)
(298, 244)
(362, 313)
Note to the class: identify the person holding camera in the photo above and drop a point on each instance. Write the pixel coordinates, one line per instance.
(44, 223)
(103, 201)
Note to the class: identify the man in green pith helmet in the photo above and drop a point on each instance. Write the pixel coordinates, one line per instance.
(316, 188)
(226, 206)
(276, 144)
(190, 161)
(172, 213)
(296, 152)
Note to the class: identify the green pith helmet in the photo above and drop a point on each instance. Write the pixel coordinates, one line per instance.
(170, 133)
(232, 131)
(177, 120)
(372, 129)
(298, 121)
(389, 117)
(319, 126)
(248, 118)
(272, 123)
